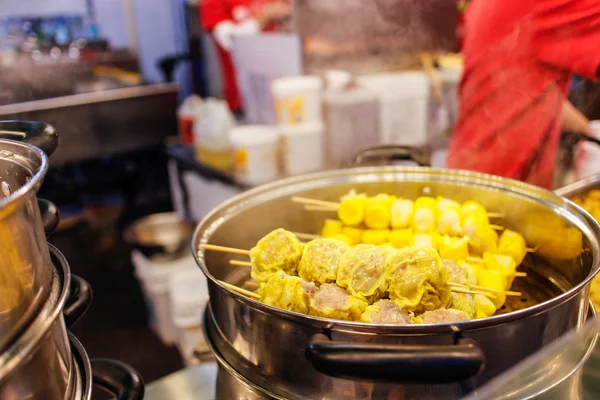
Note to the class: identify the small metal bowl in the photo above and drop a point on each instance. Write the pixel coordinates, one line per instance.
(163, 235)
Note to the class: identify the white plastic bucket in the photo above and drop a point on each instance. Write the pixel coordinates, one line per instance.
(302, 148)
(256, 153)
(404, 100)
(189, 294)
(154, 278)
(297, 99)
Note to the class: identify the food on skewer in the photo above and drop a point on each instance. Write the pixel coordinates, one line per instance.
(417, 279)
(332, 301)
(454, 248)
(351, 210)
(338, 281)
(401, 213)
(512, 244)
(362, 271)
(425, 215)
(375, 236)
(400, 238)
(449, 217)
(278, 250)
(354, 234)
(287, 292)
(377, 211)
(331, 228)
(386, 312)
(320, 260)
(441, 315)
(425, 240)
(590, 201)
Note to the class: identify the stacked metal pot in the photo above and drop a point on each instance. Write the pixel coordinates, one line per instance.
(266, 352)
(39, 298)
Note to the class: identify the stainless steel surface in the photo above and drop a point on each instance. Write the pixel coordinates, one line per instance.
(101, 123)
(580, 187)
(164, 235)
(25, 272)
(38, 365)
(82, 371)
(270, 342)
(192, 383)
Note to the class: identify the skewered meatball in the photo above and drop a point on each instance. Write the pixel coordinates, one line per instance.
(449, 217)
(287, 292)
(377, 211)
(402, 213)
(425, 215)
(512, 244)
(464, 275)
(441, 316)
(362, 271)
(279, 250)
(386, 312)
(352, 209)
(331, 301)
(417, 279)
(320, 260)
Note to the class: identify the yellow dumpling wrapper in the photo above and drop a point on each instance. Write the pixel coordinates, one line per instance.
(417, 280)
(402, 212)
(441, 316)
(331, 228)
(512, 244)
(362, 271)
(463, 302)
(375, 236)
(332, 301)
(400, 238)
(286, 292)
(386, 312)
(354, 234)
(320, 260)
(278, 250)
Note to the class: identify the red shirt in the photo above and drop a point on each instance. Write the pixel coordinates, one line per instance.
(519, 58)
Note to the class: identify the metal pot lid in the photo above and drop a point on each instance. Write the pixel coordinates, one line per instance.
(240, 221)
(26, 342)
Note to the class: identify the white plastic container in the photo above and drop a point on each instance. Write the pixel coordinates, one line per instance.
(189, 294)
(588, 155)
(256, 153)
(352, 124)
(404, 106)
(297, 99)
(302, 148)
(154, 278)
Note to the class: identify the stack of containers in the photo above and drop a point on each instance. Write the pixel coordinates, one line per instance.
(404, 104)
(189, 293)
(299, 117)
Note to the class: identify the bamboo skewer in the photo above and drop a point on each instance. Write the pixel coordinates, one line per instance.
(240, 290)
(224, 249)
(315, 202)
(240, 263)
(521, 274)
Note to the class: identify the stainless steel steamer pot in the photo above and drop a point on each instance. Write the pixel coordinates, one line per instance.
(302, 356)
(25, 272)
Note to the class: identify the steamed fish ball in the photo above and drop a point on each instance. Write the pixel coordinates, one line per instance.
(484, 306)
(512, 244)
(453, 248)
(425, 240)
(377, 212)
(352, 209)
(400, 238)
(502, 263)
(375, 236)
(278, 250)
(449, 217)
(354, 234)
(496, 280)
(402, 212)
(331, 228)
(425, 215)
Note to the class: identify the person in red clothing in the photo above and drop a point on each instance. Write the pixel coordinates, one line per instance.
(225, 18)
(520, 56)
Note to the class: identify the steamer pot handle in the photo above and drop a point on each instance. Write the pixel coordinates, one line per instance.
(389, 153)
(38, 134)
(117, 378)
(50, 216)
(395, 363)
(78, 301)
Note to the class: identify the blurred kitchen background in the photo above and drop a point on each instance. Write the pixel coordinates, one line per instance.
(135, 89)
